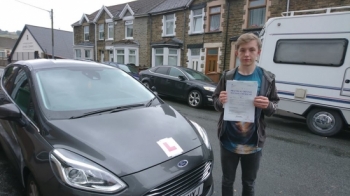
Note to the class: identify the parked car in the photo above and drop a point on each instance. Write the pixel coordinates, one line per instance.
(83, 128)
(180, 82)
(128, 68)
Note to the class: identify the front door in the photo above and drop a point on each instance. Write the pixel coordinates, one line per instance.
(211, 60)
(102, 56)
(345, 89)
(111, 56)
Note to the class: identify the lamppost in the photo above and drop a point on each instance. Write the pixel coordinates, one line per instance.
(51, 16)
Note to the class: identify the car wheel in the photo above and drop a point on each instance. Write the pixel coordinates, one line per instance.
(32, 188)
(324, 122)
(146, 84)
(194, 99)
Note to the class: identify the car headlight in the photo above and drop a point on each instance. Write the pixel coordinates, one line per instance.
(208, 88)
(203, 134)
(82, 173)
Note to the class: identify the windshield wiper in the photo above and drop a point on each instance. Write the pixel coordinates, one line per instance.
(110, 110)
(150, 102)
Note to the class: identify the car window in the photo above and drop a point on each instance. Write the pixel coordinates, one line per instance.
(9, 78)
(21, 94)
(175, 72)
(125, 68)
(162, 70)
(196, 75)
(66, 92)
(133, 69)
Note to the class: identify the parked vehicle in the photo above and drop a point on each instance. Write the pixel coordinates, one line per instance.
(180, 82)
(310, 55)
(84, 128)
(128, 68)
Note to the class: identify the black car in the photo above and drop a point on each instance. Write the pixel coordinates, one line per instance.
(83, 128)
(180, 82)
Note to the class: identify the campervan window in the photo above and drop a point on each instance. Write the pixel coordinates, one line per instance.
(323, 52)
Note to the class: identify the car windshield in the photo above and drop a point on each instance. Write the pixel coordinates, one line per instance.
(66, 92)
(195, 75)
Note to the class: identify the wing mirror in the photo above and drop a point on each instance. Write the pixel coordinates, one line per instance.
(182, 78)
(154, 89)
(11, 112)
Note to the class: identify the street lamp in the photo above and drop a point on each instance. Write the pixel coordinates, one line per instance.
(51, 16)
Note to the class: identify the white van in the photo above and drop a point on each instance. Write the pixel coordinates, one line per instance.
(310, 55)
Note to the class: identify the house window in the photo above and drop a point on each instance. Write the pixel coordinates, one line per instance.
(132, 56)
(129, 31)
(172, 57)
(214, 21)
(77, 53)
(120, 56)
(197, 21)
(101, 31)
(2, 54)
(169, 25)
(257, 12)
(159, 56)
(86, 33)
(110, 30)
(195, 51)
(87, 54)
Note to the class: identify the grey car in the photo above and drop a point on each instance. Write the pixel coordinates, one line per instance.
(82, 128)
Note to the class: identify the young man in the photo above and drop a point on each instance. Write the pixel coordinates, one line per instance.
(243, 141)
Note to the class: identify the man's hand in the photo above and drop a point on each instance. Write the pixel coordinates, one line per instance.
(261, 102)
(223, 97)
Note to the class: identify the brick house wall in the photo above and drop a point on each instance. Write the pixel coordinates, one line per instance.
(142, 36)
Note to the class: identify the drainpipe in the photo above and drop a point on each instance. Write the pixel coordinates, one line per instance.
(150, 43)
(183, 44)
(228, 13)
(287, 5)
(95, 42)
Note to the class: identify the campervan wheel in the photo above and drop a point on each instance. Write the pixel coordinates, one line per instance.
(324, 122)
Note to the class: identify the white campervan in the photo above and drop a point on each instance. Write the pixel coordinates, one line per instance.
(309, 53)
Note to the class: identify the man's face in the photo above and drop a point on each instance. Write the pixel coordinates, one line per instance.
(248, 53)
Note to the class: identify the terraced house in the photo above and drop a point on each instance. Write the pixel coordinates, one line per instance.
(199, 34)
(116, 33)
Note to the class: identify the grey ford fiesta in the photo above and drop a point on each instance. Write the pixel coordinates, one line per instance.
(83, 128)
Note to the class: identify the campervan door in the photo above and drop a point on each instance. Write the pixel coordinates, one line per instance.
(310, 56)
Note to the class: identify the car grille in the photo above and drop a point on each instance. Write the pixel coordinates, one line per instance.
(184, 182)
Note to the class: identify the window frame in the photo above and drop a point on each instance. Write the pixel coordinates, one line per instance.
(165, 21)
(101, 33)
(86, 31)
(216, 13)
(252, 8)
(109, 27)
(193, 17)
(346, 42)
(85, 52)
(131, 23)
(76, 56)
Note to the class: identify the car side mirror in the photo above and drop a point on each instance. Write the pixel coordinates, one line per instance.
(11, 112)
(182, 78)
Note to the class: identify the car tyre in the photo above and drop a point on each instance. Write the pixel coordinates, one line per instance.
(146, 84)
(324, 122)
(195, 99)
(32, 188)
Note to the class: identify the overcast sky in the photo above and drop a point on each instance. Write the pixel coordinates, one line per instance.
(14, 15)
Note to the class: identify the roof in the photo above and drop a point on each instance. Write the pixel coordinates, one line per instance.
(6, 42)
(63, 40)
(169, 5)
(142, 7)
(116, 9)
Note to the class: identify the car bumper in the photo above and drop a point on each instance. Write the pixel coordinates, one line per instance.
(208, 100)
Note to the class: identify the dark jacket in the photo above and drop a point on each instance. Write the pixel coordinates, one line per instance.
(268, 89)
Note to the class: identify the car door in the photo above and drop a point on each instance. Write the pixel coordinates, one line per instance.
(175, 85)
(160, 80)
(25, 139)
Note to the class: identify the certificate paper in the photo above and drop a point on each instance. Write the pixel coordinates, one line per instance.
(240, 98)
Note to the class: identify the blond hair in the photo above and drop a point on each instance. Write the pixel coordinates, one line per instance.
(247, 37)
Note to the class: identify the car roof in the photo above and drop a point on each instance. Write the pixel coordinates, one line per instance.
(37, 64)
